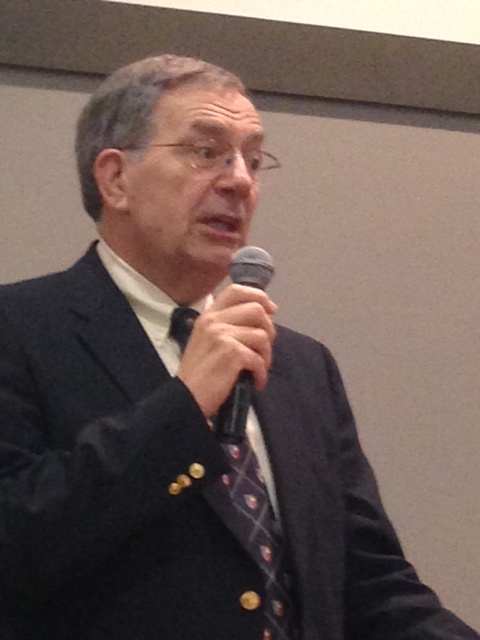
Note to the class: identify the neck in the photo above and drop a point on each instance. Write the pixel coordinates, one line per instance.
(184, 283)
(187, 293)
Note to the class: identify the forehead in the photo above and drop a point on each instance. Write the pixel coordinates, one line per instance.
(213, 111)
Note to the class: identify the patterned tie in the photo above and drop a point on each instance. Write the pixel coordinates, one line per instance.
(246, 487)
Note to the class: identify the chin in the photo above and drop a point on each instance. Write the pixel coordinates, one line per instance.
(220, 266)
(221, 255)
(212, 264)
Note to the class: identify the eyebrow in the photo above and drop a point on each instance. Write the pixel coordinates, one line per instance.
(208, 127)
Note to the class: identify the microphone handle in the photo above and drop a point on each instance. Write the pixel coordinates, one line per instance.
(231, 419)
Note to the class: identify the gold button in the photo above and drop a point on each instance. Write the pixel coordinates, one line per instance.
(184, 481)
(250, 600)
(196, 470)
(174, 489)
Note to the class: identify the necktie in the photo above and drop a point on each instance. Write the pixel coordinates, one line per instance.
(183, 319)
(248, 493)
(247, 489)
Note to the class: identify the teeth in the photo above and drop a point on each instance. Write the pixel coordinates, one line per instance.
(222, 225)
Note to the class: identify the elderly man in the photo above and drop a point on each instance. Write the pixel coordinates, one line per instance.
(123, 516)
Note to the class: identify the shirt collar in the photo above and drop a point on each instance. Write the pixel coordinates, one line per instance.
(151, 305)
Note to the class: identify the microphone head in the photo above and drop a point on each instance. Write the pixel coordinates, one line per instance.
(252, 266)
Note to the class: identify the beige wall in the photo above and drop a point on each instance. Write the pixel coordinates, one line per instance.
(373, 222)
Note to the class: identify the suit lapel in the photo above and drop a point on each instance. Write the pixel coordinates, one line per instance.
(281, 422)
(109, 329)
(299, 470)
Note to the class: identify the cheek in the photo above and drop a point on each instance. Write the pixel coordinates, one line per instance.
(164, 202)
(252, 204)
(143, 197)
(192, 194)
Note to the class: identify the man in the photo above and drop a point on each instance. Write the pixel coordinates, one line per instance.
(118, 515)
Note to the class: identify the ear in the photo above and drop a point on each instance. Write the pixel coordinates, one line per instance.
(109, 170)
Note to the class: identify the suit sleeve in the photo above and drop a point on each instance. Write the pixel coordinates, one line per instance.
(62, 512)
(384, 598)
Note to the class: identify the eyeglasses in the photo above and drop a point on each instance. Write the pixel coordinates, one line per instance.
(212, 155)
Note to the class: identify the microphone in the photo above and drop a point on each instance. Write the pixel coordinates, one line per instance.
(253, 267)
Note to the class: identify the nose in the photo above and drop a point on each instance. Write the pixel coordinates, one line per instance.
(235, 176)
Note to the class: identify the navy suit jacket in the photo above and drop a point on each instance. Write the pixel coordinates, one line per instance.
(93, 431)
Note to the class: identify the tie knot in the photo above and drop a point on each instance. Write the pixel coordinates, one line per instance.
(183, 319)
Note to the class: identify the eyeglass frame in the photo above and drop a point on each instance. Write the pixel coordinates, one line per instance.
(192, 145)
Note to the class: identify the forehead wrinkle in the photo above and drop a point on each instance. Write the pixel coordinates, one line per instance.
(214, 128)
(209, 113)
(193, 110)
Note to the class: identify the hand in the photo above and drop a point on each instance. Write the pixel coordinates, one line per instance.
(236, 333)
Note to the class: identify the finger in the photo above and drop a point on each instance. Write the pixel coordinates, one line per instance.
(256, 340)
(258, 368)
(250, 314)
(254, 354)
(238, 294)
(224, 339)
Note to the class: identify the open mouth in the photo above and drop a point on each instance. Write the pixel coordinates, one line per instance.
(223, 223)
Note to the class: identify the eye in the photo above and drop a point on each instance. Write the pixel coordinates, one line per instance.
(254, 160)
(206, 152)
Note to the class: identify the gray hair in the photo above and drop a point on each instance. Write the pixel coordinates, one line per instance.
(119, 113)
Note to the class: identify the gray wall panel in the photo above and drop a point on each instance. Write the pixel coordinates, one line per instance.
(95, 37)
